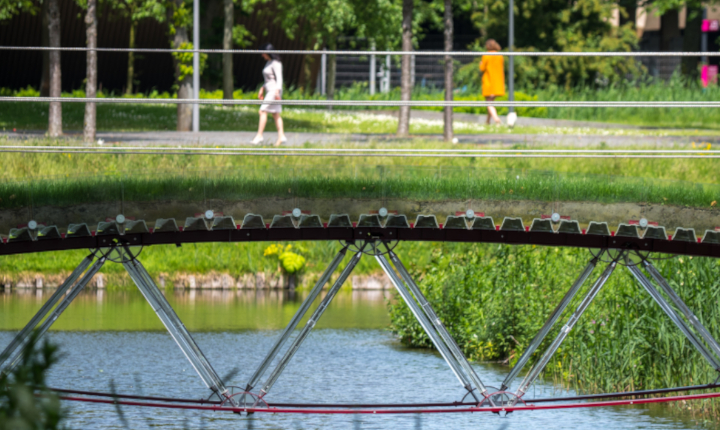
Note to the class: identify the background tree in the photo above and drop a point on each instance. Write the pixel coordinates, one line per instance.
(90, 127)
(556, 25)
(233, 34)
(448, 111)
(135, 11)
(669, 11)
(405, 78)
(55, 111)
(179, 18)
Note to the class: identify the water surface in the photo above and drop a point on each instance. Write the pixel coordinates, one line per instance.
(114, 338)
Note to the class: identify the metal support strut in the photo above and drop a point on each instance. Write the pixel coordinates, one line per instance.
(311, 321)
(665, 306)
(540, 336)
(426, 325)
(680, 304)
(565, 330)
(172, 323)
(296, 319)
(437, 324)
(12, 354)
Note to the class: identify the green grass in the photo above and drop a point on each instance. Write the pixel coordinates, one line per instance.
(375, 183)
(33, 116)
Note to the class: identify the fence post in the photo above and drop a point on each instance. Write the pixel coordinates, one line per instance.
(373, 73)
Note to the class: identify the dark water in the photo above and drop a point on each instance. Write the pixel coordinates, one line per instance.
(336, 364)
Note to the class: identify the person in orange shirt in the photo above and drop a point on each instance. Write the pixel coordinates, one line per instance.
(492, 68)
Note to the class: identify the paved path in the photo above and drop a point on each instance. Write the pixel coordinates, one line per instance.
(243, 138)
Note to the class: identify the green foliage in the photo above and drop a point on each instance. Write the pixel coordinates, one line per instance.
(242, 37)
(556, 25)
(10, 8)
(289, 261)
(185, 61)
(494, 298)
(20, 407)
(140, 9)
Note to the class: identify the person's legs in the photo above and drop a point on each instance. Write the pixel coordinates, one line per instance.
(261, 127)
(280, 129)
(492, 112)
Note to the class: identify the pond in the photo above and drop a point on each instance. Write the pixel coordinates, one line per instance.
(114, 338)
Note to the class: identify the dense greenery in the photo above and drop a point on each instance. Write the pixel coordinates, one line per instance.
(20, 407)
(494, 298)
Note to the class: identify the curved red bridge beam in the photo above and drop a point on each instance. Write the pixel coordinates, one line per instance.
(360, 233)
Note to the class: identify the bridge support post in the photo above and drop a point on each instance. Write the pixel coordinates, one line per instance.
(12, 354)
(295, 345)
(427, 325)
(455, 350)
(540, 336)
(670, 312)
(582, 307)
(680, 304)
(295, 320)
(172, 323)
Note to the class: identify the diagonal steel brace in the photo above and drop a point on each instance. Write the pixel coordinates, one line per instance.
(565, 330)
(292, 349)
(680, 304)
(172, 323)
(435, 321)
(670, 312)
(426, 325)
(12, 354)
(540, 336)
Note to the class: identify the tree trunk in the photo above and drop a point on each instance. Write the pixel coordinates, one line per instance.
(669, 29)
(55, 113)
(131, 58)
(691, 41)
(45, 41)
(448, 111)
(184, 111)
(91, 78)
(405, 78)
(227, 59)
(331, 72)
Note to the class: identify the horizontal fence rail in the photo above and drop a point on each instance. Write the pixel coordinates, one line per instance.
(343, 52)
(359, 152)
(369, 103)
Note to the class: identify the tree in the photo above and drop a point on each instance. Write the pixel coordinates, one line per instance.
(227, 60)
(90, 126)
(556, 25)
(179, 19)
(10, 8)
(670, 29)
(136, 10)
(55, 112)
(448, 111)
(405, 78)
(233, 34)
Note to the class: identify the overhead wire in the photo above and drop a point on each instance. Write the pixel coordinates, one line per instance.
(363, 53)
(371, 103)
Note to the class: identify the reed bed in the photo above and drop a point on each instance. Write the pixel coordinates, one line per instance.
(494, 298)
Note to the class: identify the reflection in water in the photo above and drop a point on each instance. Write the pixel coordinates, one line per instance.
(343, 366)
(213, 310)
(113, 337)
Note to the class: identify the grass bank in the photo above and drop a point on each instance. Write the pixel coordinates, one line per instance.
(494, 298)
(24, 116)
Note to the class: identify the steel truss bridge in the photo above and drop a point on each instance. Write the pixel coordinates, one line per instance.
(374, 235)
